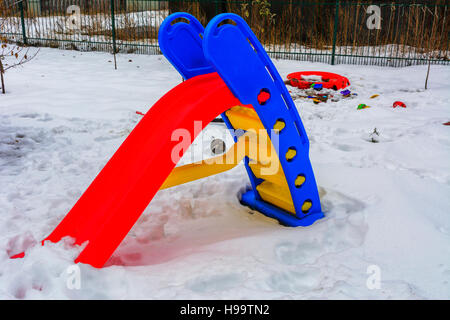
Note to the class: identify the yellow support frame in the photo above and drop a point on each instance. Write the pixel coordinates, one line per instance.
(273, 189)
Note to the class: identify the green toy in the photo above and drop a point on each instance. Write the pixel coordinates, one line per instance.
(363, 106)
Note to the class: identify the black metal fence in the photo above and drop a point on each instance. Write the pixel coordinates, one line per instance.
(377, 32)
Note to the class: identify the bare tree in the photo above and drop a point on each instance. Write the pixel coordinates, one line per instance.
(12, 54)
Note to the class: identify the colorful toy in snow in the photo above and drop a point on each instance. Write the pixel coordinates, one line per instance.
(227, 72)
(317, 98)
(318, 86)
(323, 98)
(346, 93)
(398, 104)
(374, 96)
(328, 80)
(362, 106)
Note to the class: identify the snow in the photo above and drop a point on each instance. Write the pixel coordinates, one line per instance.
(387, 204)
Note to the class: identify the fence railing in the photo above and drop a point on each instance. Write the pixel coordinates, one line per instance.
(378, 32)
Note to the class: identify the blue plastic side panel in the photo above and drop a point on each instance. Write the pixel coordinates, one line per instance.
(181, 43)
(249, 199)
(243, 64)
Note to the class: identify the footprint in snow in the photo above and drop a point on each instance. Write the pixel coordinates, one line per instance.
(344, 228)
(346, 147)
(217, 282)
(295, 281)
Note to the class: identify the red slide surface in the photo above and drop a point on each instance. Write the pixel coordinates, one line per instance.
(122, 190)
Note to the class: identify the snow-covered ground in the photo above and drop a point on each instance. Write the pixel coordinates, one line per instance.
(387, 204)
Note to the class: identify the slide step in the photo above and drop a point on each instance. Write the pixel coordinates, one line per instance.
(276, 195)
(274, 189)
(278, 178)
(244, 118)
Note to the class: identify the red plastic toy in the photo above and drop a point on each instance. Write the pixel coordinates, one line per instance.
(329, 80)
(398, 104)
(122, 190)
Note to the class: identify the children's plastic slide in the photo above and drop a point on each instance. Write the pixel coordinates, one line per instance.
(126, 185)
(227, 72)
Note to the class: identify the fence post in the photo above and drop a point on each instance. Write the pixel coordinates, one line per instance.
(113, 27)
(22, 20)
(336, 24)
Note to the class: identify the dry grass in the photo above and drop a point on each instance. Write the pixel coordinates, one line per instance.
(293, 24)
